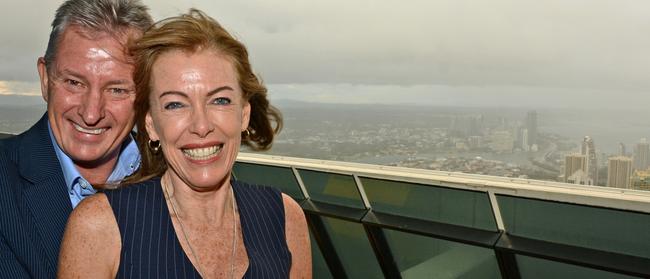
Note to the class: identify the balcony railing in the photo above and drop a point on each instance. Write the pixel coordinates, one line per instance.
(369, 221)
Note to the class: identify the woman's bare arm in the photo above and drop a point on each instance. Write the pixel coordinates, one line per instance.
(91, 242)
(297, 239)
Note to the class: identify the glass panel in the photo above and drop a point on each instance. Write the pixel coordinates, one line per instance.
(331, 188)
(418, 256)
(352, 246)
(319, 267)
(592, 227)
(446, 205)
(532, 268)
(279, 177)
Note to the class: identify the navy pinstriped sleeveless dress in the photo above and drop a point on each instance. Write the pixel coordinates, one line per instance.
(151, 249)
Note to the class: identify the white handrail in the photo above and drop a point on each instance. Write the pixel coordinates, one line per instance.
(616, 198)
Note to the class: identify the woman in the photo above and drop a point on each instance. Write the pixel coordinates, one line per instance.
(184, 216)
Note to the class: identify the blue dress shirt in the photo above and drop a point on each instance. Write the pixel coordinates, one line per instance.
(78, 187)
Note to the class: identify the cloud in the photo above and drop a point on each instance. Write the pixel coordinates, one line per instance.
(557, 43)
(19, 88)
(577, 44)
(461, 96)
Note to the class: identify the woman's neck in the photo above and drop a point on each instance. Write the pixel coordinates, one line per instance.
(198, 205)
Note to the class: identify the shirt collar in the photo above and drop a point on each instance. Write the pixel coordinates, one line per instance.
(127, 162)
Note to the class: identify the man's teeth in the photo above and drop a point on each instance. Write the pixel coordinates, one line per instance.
(202, 153)
(88, 131)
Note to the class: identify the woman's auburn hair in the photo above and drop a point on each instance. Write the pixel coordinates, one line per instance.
(192, 32)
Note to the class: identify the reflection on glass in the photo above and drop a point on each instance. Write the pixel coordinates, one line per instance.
(446, 205)
(592, 227)
(331, 188)
(319, 266)
(352, 246)
(534, 268)
(279, 177)
(424, 257)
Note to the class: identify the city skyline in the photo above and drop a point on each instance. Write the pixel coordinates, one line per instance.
(491, 142)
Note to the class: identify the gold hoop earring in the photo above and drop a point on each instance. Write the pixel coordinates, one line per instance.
(154, 145)
(246, 133)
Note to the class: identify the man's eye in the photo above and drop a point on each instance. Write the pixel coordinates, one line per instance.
(73, 82)
(173, 106)
(221, 101)
(118, 91)
(74, 85)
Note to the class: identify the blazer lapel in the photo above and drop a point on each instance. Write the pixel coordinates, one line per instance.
(46, 195)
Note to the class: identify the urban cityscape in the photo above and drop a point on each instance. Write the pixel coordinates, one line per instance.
(496, 142)
(459, 140)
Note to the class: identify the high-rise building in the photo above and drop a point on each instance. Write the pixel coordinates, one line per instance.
(517, 135)
(475, 142)
(642, 154)
(641, 180)
(531, 125)
(525, 141)
(575, 169)
(621, 149)
(501, 141)
(589, 149)
(619, 172)
(471, 125)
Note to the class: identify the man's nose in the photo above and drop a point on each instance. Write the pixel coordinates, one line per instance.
(92, 107)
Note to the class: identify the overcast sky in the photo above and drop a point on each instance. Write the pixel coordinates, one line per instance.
(448, 52)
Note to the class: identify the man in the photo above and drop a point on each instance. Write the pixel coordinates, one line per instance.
(83, 139)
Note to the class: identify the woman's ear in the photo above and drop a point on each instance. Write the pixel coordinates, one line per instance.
(245, 115)
(151, 129)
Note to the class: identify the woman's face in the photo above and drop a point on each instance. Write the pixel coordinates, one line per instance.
(198, 113)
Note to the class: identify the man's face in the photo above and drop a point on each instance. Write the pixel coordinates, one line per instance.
(89, 92)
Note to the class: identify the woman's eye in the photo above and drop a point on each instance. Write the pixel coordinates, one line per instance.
(221, 101)
(173, 106)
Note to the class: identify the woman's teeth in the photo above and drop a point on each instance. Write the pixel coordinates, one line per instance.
(202, 153)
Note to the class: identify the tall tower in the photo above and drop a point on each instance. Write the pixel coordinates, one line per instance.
(621, 149)
(619, 172)
(642, 154)
(525, 141)
(531, 125)
(575, 169)
(589, 149)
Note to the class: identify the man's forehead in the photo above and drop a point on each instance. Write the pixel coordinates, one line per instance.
(80, 42)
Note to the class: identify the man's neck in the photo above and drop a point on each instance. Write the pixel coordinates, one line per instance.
(98, 174)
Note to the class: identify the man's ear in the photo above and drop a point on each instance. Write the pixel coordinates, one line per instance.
(43, 75)
(151, 130)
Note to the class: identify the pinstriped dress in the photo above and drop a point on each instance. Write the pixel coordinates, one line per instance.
(150, 246)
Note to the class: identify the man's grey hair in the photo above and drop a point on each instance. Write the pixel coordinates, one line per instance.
(113, 17)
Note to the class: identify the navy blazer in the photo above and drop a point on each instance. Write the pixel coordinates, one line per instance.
(34, 204)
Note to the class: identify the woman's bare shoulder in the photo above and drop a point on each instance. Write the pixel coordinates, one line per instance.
(93, 214)
(91, 233)
(297, 238)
